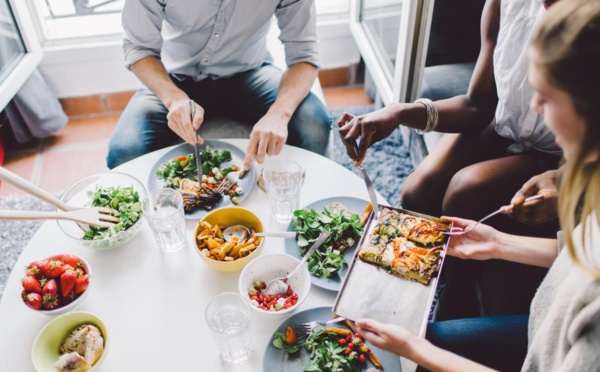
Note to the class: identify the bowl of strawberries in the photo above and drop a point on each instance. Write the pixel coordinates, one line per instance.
(57, 284)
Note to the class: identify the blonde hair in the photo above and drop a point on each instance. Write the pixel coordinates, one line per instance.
(565, 48)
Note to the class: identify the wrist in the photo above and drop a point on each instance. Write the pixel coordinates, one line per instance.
(280, 112)
(173, 97)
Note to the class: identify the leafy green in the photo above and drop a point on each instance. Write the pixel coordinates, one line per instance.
(126, 201)
(344, 229)
(326, 354)
(185, 166)
(279, 343)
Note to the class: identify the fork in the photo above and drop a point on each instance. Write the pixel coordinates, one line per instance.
(504, 209)
(227, 182)
(96, 216)
(303, 329)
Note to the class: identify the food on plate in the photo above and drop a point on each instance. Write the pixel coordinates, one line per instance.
(181, 173)
(124, 200)
(344, 227)
(402, 244)
(211, 243)
(80, 349)
(281, 301)
(55, 282)
(330, 349)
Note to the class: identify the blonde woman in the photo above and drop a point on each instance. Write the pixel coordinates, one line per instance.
(563, 330)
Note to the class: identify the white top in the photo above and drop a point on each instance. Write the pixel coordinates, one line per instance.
(153, 304)
(564, 325)
(514, 118)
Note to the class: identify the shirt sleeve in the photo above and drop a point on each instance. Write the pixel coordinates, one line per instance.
(142, 23)
(297, 20)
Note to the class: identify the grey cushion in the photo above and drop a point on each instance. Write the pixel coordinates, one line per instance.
(224, 127)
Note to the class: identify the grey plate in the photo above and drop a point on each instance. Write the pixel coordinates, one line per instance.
(333, 283)
(279, 360)
(237, 156)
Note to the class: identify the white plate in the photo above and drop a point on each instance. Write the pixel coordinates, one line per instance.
(237, 158)
(334, 282)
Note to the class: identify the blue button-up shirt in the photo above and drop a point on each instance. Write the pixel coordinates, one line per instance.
(217, 38)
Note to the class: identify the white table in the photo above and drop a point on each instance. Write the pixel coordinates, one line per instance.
(153, 304)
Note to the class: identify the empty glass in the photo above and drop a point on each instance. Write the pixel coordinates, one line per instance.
(283, 182)
(163, 208)
(228, 317)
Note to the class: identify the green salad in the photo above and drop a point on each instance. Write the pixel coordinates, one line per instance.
(344, 229)
(185, 166)
(125, 200)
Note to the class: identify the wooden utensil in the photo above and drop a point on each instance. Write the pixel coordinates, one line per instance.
(96, 216)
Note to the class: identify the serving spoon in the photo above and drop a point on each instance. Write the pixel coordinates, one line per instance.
(280, 285)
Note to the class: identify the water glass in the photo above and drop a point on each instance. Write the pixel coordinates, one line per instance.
(283, 182)
(228, 317)
(163, 209)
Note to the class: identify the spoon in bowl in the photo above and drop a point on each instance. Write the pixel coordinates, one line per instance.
(242, 233)
(280, 285)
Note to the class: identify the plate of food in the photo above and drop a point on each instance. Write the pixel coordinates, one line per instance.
(344, 218)
(326, 344)
(177, 169)
(401, 254)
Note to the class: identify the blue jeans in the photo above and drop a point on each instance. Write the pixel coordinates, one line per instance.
(499, 342)
(246, 97)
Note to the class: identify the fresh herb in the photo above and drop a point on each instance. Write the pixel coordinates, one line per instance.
(126, 201)
(344, 229)
(185, 166)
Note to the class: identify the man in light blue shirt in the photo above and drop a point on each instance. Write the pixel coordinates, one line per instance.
(214, 53)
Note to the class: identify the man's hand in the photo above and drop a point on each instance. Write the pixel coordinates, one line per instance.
(180, 120)
(478, 244)
(538, 211)
(370, 128)
(267, 138)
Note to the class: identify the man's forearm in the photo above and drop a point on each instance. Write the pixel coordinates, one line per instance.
(294, 87)
(152, 74)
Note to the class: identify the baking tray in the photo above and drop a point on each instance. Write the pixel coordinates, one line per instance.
(372, 292)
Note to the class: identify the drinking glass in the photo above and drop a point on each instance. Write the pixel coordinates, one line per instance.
(283, 182)
(228, 317)
(163, 208)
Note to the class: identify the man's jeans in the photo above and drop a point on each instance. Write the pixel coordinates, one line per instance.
(246, 97)
(499, 342)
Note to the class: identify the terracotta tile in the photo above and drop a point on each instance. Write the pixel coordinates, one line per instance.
(118, 101)
(22, 165)
(334, 77)
(83, 105)
(91, 129)
(62, 167)
(344, 97)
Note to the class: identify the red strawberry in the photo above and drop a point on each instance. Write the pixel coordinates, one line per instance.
(55, 268)
(82, 284)
(50, 288)
(37, 268)
(31, 284)
(67, 281)
(50, 302)
(68, 299)
(69, 259)
(33, 300)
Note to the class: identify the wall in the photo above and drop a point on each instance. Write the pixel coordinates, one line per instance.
(81, 70)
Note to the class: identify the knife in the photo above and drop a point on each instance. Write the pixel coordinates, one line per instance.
(196, 145)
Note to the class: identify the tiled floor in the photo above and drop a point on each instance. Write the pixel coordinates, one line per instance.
(79, 149)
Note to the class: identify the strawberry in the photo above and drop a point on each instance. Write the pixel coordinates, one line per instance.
(69, 259)
(50, 288)
(55, 268)
(33, 300)
(50, 302)
(67, 281)
(68, 299)
(31, 284)
(82, 284)
(37, 268)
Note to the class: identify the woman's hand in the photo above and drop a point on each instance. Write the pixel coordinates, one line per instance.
(371, 128)
(478, 244)
(538, 211)
(386, 336)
